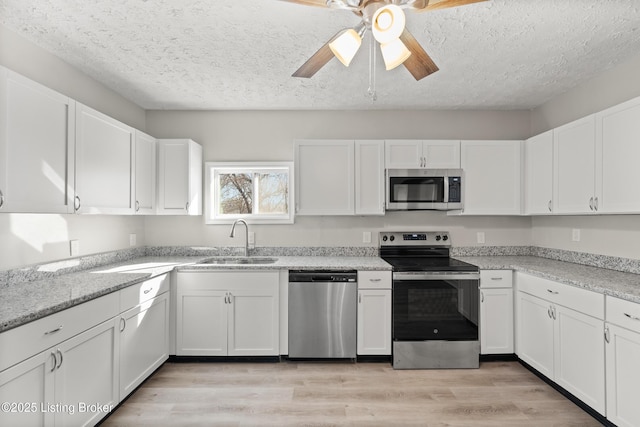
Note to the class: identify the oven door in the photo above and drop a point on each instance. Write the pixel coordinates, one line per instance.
(435, 306)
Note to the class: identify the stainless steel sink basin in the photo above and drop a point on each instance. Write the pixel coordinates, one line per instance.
(239, 260)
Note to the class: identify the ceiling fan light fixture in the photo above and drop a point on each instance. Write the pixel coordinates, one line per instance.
(388, 23)
(346, 45)
(394, 53)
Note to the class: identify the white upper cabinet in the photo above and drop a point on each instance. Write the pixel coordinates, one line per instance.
(36, 147)
(339, 177)
(491, 177)
(145, 203)
(179, 177)
(369, 177)
(574, 166)
(538, 178)
(105, 167)
(432, 154)
(617, 155)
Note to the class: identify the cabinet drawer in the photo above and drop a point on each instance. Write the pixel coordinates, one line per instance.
(25, 341)
(587, 302)
(374, 279)
(623, 313)
(496, 278)
(141, 292)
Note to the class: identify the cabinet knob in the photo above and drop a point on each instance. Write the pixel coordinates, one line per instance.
(1, 199)
(76, 204)
(591, 203)
(595, 204)
(137, 206)
(549, 206)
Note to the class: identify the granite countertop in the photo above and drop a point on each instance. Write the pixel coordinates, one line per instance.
(21, 303)
(608, 282)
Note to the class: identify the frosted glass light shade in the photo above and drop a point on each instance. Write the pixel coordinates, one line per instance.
(346, 46)
(388, 23)
(394, 53)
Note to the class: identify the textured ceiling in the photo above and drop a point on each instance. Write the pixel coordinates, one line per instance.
(240, 54)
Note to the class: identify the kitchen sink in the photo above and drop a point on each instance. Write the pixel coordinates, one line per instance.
(239, 260)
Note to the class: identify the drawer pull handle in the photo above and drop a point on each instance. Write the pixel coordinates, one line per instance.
(496, 278)
(53, 331)
(146, 291)
(375, 280)
(632, 317)
(553, 292)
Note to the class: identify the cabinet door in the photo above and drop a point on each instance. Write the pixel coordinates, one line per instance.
(105, 168)
(144, 342)
(538, 154)
(201, 328)
(179, 177)
(623, 376)
(37, 143)
(535, 333)
(87, 375)
(374, 322)
(145, 174)
(29, 383)
(403, 153)
(491, 177)
(618, 151)
(441, 154)
(574, 166)
(369, 177)
(254, 321)
(324, 177)
(579, 364)
(496, 321)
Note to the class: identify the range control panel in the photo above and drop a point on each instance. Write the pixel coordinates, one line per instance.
(421, 238)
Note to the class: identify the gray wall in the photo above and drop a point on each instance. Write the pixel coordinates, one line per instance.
(28, 239)
(269, 135)
(607, 234)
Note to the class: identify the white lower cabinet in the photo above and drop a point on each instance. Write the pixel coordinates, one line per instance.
(374, 313)
(227, 313)
(560, 334)
(73, 383)
(623, 367)
(144, 338)
(496, 312)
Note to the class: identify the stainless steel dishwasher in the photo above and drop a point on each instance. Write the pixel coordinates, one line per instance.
(322, 314)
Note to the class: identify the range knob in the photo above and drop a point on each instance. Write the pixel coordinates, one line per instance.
(384, 238)
(392, 238)
(445, 237)
(438, 238)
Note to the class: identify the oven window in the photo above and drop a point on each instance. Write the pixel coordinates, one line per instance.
(408, 190)
(435, 310)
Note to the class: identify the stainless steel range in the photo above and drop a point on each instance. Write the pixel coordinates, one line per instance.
(435, 302)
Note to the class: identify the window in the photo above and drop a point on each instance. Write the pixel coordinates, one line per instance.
(256, 192)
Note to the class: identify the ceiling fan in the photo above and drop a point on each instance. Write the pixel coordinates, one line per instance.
(386, 20)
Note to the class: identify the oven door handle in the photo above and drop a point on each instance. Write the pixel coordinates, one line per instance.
(421, 275)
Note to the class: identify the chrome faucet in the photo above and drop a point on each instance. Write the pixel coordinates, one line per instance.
(246, 234)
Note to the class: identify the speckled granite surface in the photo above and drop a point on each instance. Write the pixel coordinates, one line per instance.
(33, 292)
(609, 282)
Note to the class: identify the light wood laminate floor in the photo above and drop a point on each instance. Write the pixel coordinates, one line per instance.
(362, 394)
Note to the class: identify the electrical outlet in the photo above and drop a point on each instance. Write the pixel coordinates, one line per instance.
(480, 236)
(74, 247)
(132, 239)
(575, 234)
(366, 237)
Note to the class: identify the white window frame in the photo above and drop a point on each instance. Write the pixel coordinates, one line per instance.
(212, 171)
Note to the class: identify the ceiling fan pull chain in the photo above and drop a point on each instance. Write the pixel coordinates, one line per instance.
(372, 69)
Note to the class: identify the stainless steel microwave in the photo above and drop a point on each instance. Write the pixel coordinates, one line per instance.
(424, 189)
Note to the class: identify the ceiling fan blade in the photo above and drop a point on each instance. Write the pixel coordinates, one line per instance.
(444, 4)
(317, 60)
(319, 3)
(419, 64)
